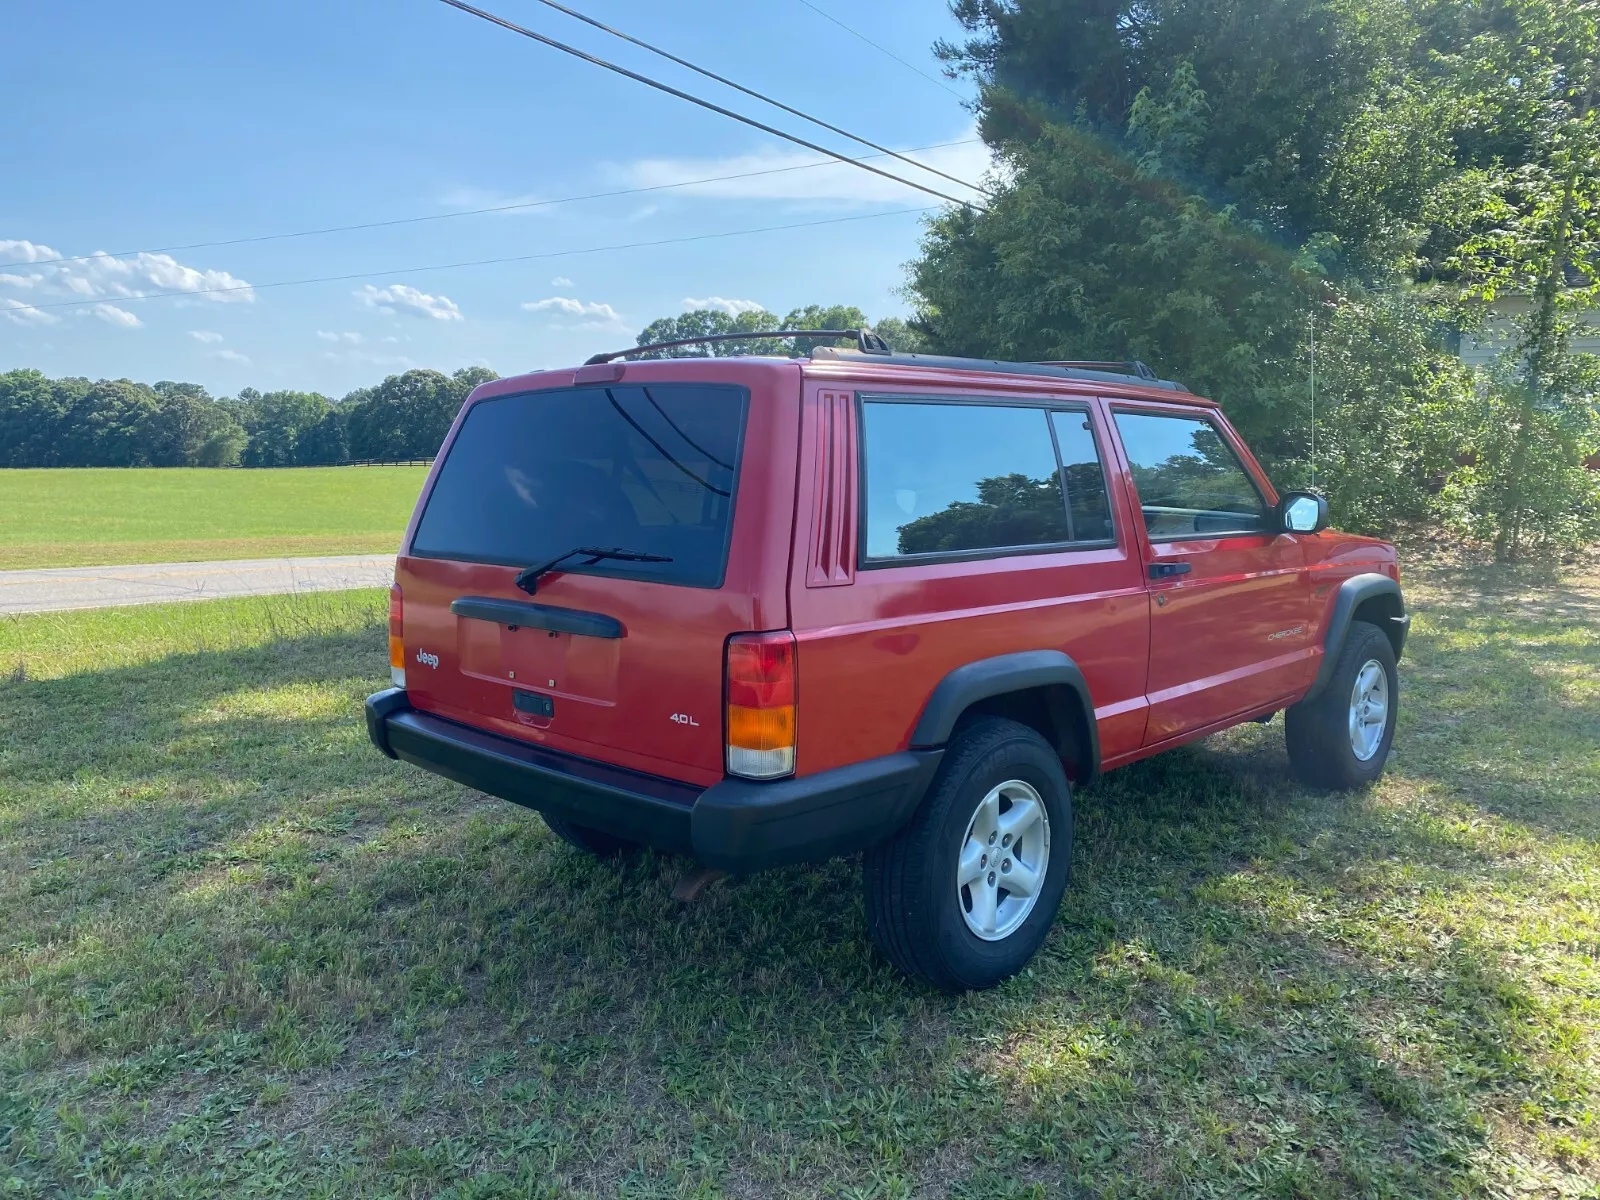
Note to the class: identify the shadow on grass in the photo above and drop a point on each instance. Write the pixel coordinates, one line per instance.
(207, 863)
(1501, 707)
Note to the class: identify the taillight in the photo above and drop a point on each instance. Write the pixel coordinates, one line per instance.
(397, 650)
(761, 705)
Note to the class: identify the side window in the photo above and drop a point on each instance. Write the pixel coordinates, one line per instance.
(1082, 477)
(944, 478)
(1190, 482)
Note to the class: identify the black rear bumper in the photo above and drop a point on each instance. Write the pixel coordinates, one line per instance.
(738, 825)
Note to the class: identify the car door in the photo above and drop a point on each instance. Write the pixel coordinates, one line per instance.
(1229, 616)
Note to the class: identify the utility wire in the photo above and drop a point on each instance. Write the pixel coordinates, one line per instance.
(885, 50)
(478, 262)
(765, 99)
(474, 212)
(706, 104)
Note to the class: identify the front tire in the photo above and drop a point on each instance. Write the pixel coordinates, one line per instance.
(998, 812)
(1340, 739)
(590, 841)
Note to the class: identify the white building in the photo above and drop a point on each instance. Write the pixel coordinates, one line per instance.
(1481, 348)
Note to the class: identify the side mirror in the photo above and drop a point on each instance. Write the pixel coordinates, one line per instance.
(1302, 512)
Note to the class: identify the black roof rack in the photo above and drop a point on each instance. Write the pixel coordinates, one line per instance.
(1099, 372)
(870, 345)
(867, 342)
(1131, 367)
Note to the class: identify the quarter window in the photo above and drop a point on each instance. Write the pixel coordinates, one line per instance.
(1190, 482)
(954, 478)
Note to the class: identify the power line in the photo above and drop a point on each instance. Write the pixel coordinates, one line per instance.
(706, 104)
(885, 50)
(478, 262)
(765, 99)
(474, 212)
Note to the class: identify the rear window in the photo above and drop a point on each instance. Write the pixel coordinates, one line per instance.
(651, 469)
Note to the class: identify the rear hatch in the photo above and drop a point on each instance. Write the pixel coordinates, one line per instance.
(615, 660)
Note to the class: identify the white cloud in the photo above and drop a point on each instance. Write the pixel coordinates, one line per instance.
(205, 336)
(732, 307)
(800, 177)
(26, 252)
(103, 276)
(348, 339)
(112, 315)
(561, 281)
(573, 308)
(232, 356)
(398, 297)
(19, 313)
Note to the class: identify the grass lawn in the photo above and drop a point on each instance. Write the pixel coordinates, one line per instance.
(69, 517)
(244, 955)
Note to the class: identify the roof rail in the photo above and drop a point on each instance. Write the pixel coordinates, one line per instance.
(1131, 366)
(1123, 373)
(867, 342)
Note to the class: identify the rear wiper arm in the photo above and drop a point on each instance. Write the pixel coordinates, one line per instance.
(528, 580)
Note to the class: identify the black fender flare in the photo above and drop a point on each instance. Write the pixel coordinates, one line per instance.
(1354, 592)
(987, 677)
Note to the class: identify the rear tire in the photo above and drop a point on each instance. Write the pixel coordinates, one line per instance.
(590, 841)
(1340, 739)
(998, 778)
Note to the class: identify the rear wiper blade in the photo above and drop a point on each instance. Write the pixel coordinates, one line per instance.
(528, 580)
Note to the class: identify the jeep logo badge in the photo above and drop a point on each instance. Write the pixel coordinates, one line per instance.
(428, 660)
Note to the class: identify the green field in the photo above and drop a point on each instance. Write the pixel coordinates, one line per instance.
(244, 955)
(68, 517)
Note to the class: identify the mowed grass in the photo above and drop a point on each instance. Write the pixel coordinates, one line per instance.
(244, 955)
(69, 517)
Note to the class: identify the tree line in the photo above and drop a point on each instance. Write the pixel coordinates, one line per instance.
(1233, 189)
(76, 422)
(118, 423)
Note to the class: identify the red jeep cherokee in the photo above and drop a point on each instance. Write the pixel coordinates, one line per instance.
(767, 611)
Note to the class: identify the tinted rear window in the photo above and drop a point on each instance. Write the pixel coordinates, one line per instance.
(651, 469)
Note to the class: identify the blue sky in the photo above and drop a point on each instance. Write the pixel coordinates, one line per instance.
(184, 122)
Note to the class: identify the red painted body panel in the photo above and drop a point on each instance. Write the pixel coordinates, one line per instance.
(1165, 661)
(1232, 636)
(881, 646)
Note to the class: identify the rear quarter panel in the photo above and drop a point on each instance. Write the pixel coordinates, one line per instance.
(875, 641)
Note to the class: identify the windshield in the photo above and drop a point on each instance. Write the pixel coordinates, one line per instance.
(651, 469)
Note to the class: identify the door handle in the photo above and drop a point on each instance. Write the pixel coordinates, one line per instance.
(1166, 570)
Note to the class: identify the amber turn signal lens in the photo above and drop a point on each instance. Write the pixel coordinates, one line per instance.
(397, 650)
(760, 728)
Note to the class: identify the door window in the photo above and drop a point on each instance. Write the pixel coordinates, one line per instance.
(948, 478)
(1082, 477)
(1190, 482)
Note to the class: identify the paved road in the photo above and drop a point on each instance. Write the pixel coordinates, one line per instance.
(58, 588)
